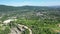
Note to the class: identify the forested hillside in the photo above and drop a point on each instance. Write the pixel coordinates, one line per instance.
(40, 19)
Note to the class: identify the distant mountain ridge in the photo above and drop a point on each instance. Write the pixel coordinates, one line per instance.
(13, 8)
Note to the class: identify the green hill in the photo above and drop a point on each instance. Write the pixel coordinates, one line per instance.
(40, 19)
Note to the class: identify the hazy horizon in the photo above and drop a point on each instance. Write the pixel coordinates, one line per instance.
(30, 2)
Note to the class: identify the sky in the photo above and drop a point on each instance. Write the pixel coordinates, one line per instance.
(30, 2)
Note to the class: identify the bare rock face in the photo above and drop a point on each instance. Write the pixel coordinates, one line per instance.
(18, 29)
(15, 31)
(8, 21)
(22, 27)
